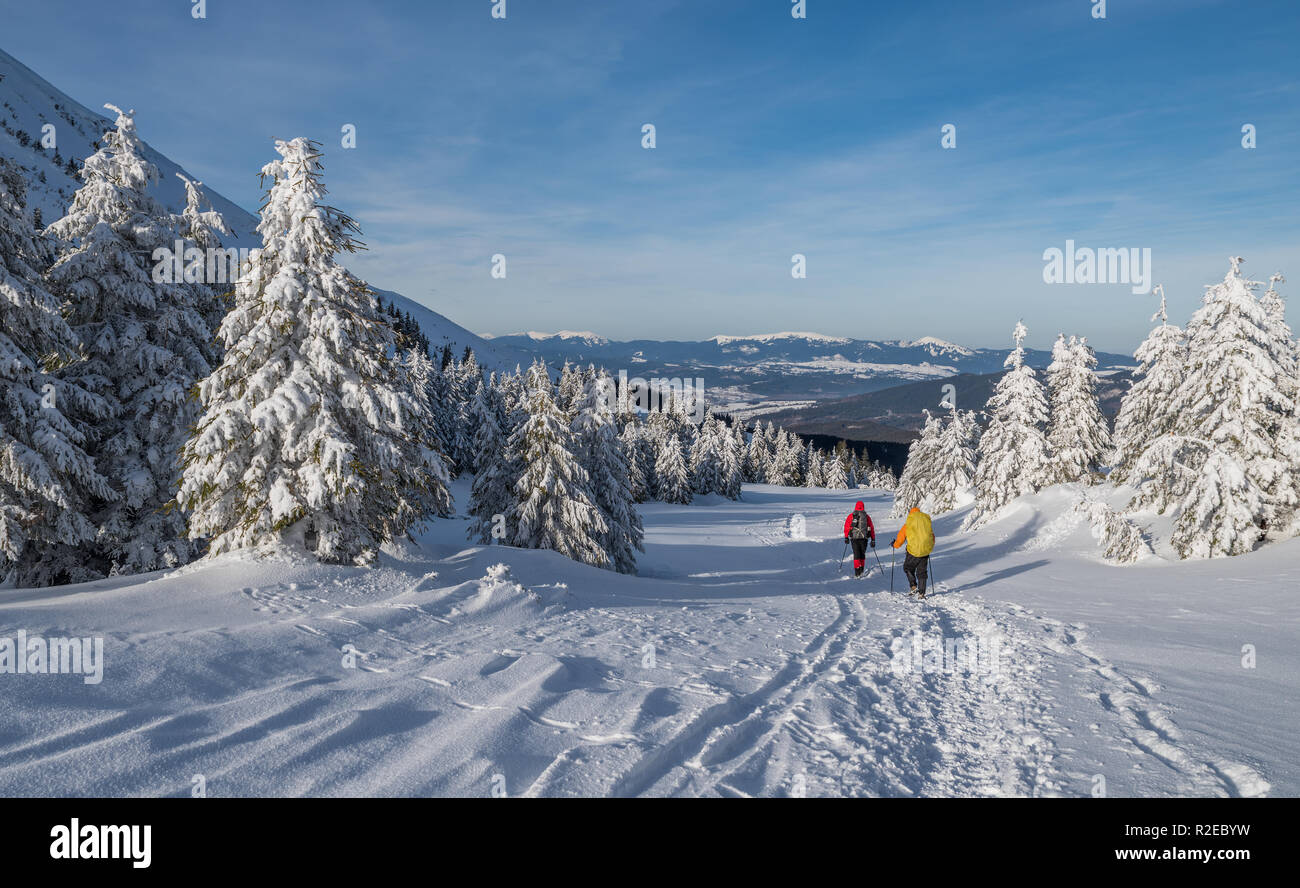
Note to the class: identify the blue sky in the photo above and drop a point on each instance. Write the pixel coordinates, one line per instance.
(776, 136)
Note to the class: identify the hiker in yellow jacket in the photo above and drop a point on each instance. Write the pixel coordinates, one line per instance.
(919, 536)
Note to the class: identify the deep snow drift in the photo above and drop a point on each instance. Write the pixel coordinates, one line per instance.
(738, 663)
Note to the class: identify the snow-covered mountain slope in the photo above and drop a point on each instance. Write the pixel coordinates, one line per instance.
(763, 369)
(28, 102)
(740, 662)
(441, 331)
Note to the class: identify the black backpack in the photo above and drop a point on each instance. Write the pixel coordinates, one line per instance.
(859, 525)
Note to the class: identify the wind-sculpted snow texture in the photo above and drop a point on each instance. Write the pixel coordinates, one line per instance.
(738, 663)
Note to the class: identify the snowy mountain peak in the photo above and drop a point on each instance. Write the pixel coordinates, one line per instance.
(773, 337)
(936, 346)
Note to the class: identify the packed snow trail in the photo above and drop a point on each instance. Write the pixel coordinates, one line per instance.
(738, 664)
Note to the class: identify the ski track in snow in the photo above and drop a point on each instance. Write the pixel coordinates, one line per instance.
(460, 677)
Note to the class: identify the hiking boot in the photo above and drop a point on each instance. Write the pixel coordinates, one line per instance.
(912, 591)
(921, 595)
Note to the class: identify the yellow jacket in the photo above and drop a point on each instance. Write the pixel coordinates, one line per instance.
(917, 533)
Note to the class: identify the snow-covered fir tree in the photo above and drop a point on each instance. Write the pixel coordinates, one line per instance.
(634, 449)
(835, 477)
(146, 342)
(47, 479)
(602, 454)
(1146, 411)
(757, 455)
(953, 462)
(553, 505)
(487, 428)
(916, 483)
(309, 431)
(1078, 434)
(731, 448)
(672, 478)
(1231, 410)
(205, 230)
(706, 460)
(1013, 456)
(784, 468)
(814, 474)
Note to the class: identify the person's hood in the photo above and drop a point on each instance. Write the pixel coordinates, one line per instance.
(859, 507)
(914, 509)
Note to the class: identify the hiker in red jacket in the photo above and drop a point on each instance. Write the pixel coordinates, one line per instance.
(858, 529)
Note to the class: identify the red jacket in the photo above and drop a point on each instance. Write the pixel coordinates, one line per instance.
(848, 522)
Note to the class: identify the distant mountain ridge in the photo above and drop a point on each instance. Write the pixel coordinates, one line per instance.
(772, 367)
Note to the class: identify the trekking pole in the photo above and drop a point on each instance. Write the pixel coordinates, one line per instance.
(840, 569)
(877, 554)
(893, 555)
(933, 579)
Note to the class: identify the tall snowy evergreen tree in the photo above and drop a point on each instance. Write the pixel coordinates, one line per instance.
(731, 449)
(1231, 409)
(603, 456)
(757, 455)
(205, 229)
(953, 462)
(814, 473)
(309, 430)
(553, 504)
(1077, 433)
(710, 457)
(835, 477)
(634, 449)
(47, 479)
(916, 484)
(487, 428)
(672, 479)
(784, 468)
(146, 343)
(1146, 411)
(1013, 455)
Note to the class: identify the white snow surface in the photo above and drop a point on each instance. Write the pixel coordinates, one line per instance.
(739, 662)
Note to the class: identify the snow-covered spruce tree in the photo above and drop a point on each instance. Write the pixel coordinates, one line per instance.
(815, 471)
(1077, 433)
(672, 479)
(554, 507)
(731, 448)
(205, 229)
(492, 496)
(785, 466)
(456, 416)
(1230, 409)
(421, 381)
(1286, 354)
(487, 429)
(835, 478)
(146, 342)
(1013, 457)
(916, 484)
(757, 455)
(1146, 411)
(47, 479)
(953, 463)
(638, 481)
(706, 460)
(602, 454)
(308, 426)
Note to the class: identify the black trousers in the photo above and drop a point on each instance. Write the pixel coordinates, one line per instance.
(916, 569)
(859, 552)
